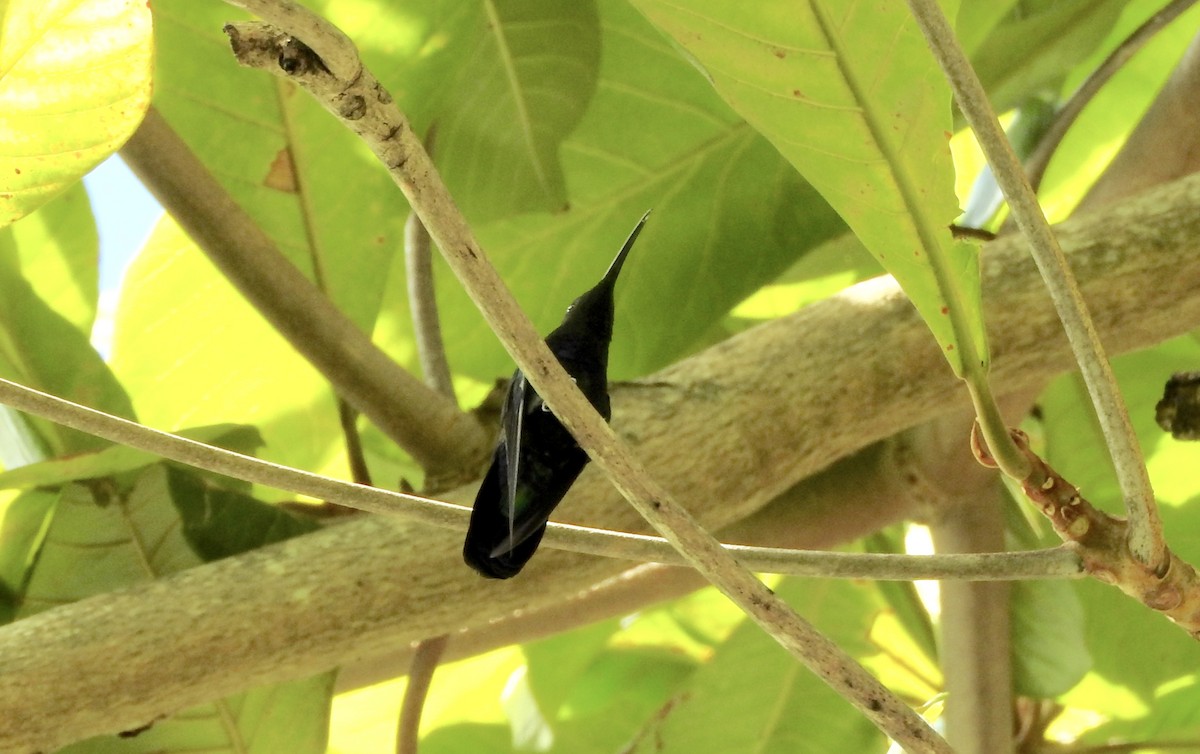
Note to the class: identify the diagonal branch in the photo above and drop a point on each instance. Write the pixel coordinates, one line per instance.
(367, 109)
(368, 379)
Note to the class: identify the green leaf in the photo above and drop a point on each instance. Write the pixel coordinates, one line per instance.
(1075, 446)
(1133, 648)
(976, 18)
(729, 215)
(1050, 653)
(1135, 651)
(1175, 715)
(624, 678)
(1030, 53)
(752, 697)
(469, 738)
(41, 349)
(902, 596)
(220, 523)
(308, 182)
(555, 664)
(74, 84)
(99, 540)
(118, 459)
(850, 95)
(20, 445)
(21, 533)
(193, 352)
(59, 255)
(529, 70)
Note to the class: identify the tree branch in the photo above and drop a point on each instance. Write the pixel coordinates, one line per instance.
(860, 366)
(1145, 533)
(393, 399)
(366, 108)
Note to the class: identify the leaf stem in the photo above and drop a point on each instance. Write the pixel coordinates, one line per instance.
(426, 657)
(1145, 539)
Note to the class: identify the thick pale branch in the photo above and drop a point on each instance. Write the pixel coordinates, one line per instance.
(423, 422)
(729, 429)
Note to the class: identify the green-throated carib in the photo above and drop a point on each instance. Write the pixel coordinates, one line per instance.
(536, 459)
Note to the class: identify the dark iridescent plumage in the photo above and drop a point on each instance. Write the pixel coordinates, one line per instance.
(537, 460)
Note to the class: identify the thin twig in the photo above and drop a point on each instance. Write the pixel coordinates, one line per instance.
(422, 301)
(348, 418)
(365, 376)
(366, 108)
(1036, 165)
(1018, 565)
(420, 674)
(431, 352)
(1145, 536)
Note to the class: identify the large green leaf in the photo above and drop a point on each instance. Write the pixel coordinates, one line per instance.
(313, 187)
(1103, 126)
(100, 539)
(501, 82)
(21, 533)
(192, 352)
(1075, 446)
(524, 82)
(850, 95)
(751, 697)
(55, 249)
(1050, 654)
(220, 523)
(59, 252)
(74, 84)
(729, 214)
(1174, 719)
(555, 664)
(42, 349)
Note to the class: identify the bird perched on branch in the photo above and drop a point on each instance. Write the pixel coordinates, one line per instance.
(536, 459)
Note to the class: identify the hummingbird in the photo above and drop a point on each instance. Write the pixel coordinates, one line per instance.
(536, 459)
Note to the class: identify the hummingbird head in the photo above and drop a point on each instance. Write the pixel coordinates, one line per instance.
(588, 322)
